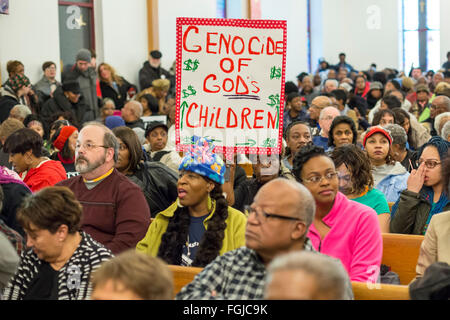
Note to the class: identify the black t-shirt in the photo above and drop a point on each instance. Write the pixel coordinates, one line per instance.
(45, 285)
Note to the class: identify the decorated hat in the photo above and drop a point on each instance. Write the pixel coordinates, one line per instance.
(377, 129)
(64, 134)
(202, 160)
(18, 81)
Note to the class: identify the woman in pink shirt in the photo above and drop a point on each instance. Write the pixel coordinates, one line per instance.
(342, 228)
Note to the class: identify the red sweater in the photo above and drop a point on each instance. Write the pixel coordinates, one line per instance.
(48, 173)
(115, 212)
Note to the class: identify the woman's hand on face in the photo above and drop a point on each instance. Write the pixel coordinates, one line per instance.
(416, 179)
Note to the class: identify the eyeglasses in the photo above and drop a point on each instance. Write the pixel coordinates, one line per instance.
(89, 146)
(430, 164)
(262, 216)
(318, 179)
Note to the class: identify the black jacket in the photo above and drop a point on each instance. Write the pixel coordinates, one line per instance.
(59, 103)
(7, 101)
(147, 74)
(158, 183)
(136, 124)
(120, 96)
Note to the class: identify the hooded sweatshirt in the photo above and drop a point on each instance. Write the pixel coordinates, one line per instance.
(390, 179)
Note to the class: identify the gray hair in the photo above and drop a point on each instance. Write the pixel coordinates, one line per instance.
(326, 110)
(306, 204)
(438, 119)
(398, 134)
(109, 139)
(334, 81)
(331, 277)
(446, 131)
(20, 110)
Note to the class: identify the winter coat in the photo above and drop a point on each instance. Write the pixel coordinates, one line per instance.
(59, 103)
(8, 100)
(410, 213)
(147, 74)
(119, 95)
(391, 180)
(43, 89)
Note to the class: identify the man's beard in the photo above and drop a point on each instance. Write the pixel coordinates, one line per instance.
(85, 166)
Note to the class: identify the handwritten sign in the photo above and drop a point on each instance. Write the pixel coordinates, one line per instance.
(230, 76)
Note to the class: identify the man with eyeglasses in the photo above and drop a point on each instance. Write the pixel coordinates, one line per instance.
(115, 212)
(278, 222)
(439, 105)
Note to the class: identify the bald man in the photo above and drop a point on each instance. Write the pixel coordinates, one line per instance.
(278, 221)
(132, 113)
(317, 104)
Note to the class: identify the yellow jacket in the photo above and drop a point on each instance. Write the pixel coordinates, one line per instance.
(234, 232)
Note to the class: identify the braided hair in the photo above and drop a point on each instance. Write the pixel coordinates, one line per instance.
(177, 231)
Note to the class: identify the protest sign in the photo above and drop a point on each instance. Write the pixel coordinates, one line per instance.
(230, 76)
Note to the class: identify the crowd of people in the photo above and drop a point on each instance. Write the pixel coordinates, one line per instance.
(96, 202)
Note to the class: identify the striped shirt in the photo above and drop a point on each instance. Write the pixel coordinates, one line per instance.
(73, 278)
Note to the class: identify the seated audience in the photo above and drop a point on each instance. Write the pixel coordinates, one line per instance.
(25, 153)
(375, 93)
(48, 83)
(440, 105)
(157, 181)
(356, 181)
(316, 106)
(342, 132)
(421, 108)
(440, 121)
(132, 276)
(298, 135)
(16, 90)
(200, 225)
(307, 276)
(114, 86)
(157, 135)
(446, 132)
(353, 238)
(389, 101)
(115, 212)
(13, 236)
(294, 110)
(159, 89)
(278, 222)
(65, 140)
(417, 133)
(436, 244)
(58, 263)
(112, 122)
(341, 101)
(131, 114)
(362, 86)
(425, 194)
(389, 175)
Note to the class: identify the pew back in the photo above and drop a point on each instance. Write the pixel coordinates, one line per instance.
(400, 252)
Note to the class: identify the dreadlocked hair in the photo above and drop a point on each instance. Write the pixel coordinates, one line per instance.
(177, 231)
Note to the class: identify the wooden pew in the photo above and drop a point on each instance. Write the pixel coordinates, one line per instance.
(182, 276)
(400, 252)
(390, 204)
(248, 169)
(362, 291)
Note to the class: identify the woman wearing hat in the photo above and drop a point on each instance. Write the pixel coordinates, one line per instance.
(16, 90)
(389, 175)
(426, 193)
(200, 225)
(65, 140)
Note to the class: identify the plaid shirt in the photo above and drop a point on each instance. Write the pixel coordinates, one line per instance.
(237, 275)
(13, 236)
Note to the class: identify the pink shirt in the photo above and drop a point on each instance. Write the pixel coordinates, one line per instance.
(354, 238)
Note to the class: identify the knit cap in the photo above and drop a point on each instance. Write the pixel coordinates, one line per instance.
(114, 121)
(202, 160)
(83, 55)
(64, 134)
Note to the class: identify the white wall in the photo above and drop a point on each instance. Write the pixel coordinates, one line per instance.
(366, 30)
(121, 36)
(30, 34)
(168, 11)
(295, 13)
(445, 30)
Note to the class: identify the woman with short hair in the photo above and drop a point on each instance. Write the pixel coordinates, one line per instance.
(60, 257)
(297, 135)
(200, 225)
(342, 132)
(25, 153)
(342, 228)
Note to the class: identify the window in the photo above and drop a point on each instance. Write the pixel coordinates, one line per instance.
(76, 28)
(421, 34)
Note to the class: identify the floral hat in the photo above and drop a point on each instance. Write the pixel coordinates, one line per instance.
(202, 160)
(18, 82)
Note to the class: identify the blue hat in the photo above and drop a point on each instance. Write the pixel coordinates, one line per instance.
(202, 160)
(114, 121)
